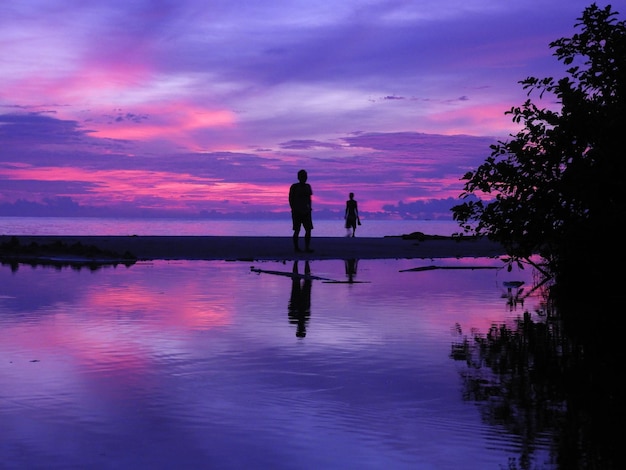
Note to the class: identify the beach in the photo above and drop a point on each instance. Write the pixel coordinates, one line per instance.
(273, 248)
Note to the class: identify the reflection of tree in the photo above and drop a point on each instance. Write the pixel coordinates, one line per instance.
(549, 383)
(58, 255)
(300, 300)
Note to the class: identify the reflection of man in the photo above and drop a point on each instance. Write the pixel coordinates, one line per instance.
(351, 267)
(300, 301)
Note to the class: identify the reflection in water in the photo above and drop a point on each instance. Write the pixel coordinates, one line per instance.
(61, 263)
(514, 294)
(351, 268)
(192, 365)
(59, 255)
(300, 300)
(551, 378)
(508, 368)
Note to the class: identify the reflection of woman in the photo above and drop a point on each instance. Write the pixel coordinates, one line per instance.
(352, 214)
(300, 301)
(351, 267)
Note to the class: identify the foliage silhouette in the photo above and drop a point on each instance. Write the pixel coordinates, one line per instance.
(556, 188)
(59, 255)
(552, 380)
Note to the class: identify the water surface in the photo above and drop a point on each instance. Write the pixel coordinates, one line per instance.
(226, 227)
(212, 365)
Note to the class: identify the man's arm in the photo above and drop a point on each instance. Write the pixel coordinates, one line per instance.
(291, 197)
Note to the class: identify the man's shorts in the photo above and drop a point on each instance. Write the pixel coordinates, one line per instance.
(299, 219)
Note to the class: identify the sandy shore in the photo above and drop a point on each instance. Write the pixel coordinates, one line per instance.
(274, 248)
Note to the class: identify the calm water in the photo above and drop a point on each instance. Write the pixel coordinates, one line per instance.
(210, 365)
(103, 226)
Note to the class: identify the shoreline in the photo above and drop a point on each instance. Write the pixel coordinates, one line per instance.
(250, 248)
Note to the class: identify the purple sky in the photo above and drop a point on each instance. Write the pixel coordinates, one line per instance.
(162, 107)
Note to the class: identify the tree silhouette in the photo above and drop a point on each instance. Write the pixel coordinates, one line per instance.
(553, 384)
(555, 189)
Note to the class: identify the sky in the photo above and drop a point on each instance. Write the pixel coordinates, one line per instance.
(208, 108)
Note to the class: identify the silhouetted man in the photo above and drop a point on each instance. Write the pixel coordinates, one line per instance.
(300, 202)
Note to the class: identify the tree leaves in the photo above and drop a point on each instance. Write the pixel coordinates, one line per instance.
(560, 178)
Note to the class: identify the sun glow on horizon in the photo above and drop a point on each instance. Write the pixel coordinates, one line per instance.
(169, 189)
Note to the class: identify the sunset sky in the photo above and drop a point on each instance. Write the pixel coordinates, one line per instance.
(200, 107)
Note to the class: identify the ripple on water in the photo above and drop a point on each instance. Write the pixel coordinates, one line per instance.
(198, 363)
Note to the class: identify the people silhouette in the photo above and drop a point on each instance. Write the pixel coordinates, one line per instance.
(300, 203)
(514, 291)
(351, 268)
(300, 301)
(352, 214)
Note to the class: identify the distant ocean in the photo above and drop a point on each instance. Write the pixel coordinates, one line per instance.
(272, 228)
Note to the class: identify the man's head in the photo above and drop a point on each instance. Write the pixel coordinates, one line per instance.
(302, 176)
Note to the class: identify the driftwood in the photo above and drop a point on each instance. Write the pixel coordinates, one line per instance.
(430, 268)
(305, 276)
(291, 274)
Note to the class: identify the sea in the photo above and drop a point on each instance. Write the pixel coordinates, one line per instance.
(211, 365)
(363, 364)
(212, 227)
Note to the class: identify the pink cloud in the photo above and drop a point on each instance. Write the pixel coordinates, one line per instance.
(128, 105)
(167, 121)
(476, 119)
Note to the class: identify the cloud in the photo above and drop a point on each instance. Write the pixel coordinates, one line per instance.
(182, 106)
(308, 144)
(383, 168)
(38, 129)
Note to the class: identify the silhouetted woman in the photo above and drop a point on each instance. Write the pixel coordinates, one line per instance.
(352, 215)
